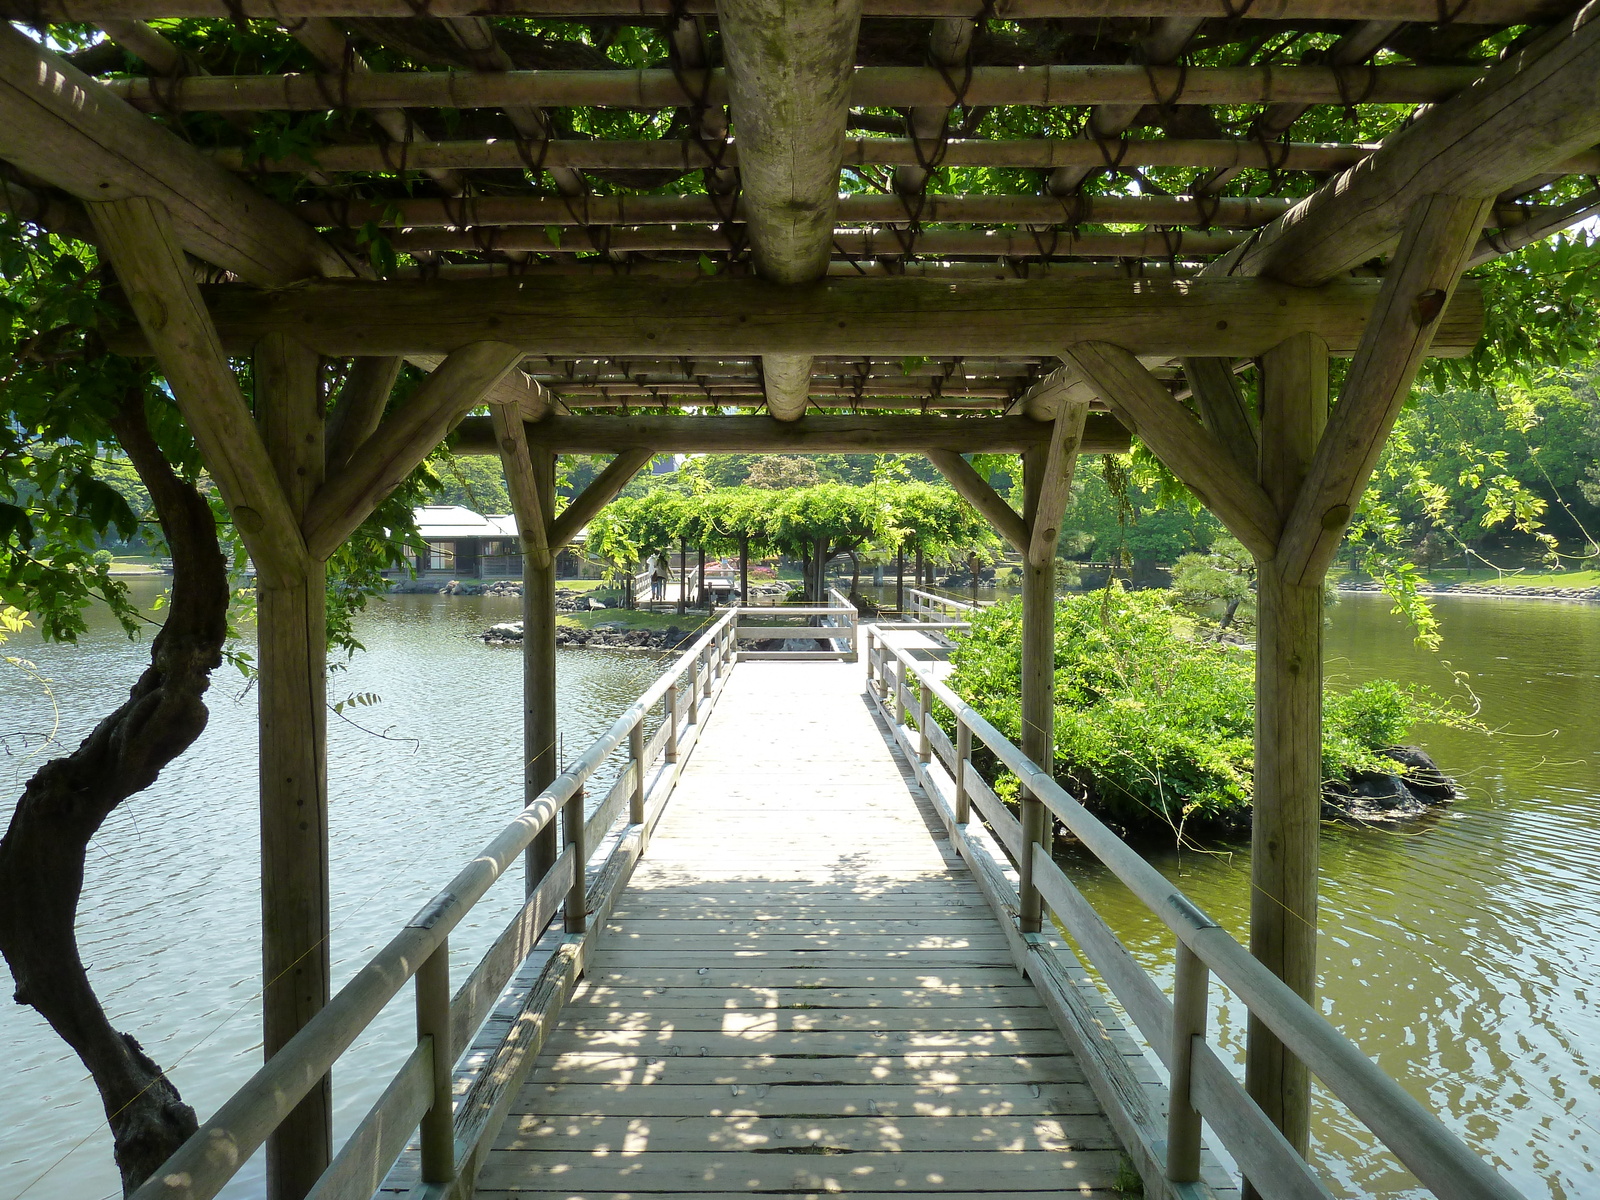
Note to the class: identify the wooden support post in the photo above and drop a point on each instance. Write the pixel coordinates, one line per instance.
(744, 568)
(1047, 489)
(700, 582)
(360, 406)
(636, 755)
(1190, 981)
(539, 670)
(683, 573)
(672, 723)
(1288, 739)
(433, 1022)
(575, 913)
(292, 686)
(900, 579)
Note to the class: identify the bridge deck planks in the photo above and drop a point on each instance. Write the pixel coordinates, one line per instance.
(802, 993)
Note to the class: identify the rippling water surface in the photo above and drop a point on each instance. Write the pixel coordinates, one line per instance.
(1461, 953)
(171, 913)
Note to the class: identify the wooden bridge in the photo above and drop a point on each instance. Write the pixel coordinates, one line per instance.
(783, 954)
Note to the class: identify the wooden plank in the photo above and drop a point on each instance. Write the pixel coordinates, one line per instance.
(811, 1044)
(776, 1135)
(584, 317)
(638, 937)
(138, 236)
(370, 1150)
(644, 1016)
(540, 1101)
(475, 996)
(61, 126)
(1181, 442)
(929, 1067)
(1000, 819)
(782, 964)
(1018, 1171)
(402, 441)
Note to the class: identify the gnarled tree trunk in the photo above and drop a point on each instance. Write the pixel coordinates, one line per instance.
(64, 804)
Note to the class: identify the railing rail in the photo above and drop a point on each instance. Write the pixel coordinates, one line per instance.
(934, 606)
(1203, 1085)
(421, 1090)
(837, 620)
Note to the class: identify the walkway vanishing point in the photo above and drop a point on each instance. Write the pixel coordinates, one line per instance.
(802, 991)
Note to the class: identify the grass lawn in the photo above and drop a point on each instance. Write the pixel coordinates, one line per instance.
(1535, 578)
(634, 618)
(135, 564)
(583, 585)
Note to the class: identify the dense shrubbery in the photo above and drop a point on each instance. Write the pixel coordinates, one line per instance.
(1153, 727)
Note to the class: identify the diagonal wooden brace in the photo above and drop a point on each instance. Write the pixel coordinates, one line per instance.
(588, 503)
(137, 235)
(1179, 439)
(975, 490)
(1440, 233)
(403, 440)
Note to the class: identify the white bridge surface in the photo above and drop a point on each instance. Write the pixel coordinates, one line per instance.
(802, 992)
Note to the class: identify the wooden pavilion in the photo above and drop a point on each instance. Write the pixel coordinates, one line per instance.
(1170, 263)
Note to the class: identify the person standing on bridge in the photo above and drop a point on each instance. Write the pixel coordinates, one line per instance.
(660, 573)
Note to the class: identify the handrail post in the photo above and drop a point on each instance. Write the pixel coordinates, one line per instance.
(900, 693)
(636, 752)
(694, 692)
(924, 715)
(1034, 821)
(671, 698)
(438, 1133)
(575, 914)
(705, 657)
(1189, 1003)
(963, 753)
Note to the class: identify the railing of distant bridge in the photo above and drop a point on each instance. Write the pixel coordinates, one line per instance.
(931, 606)
(834, 631)
(1202, 1084)
(597, 858)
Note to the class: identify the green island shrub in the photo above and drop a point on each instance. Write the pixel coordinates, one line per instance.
(1154, 727)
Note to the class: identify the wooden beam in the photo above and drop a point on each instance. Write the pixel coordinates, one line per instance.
(483, 212)
(975, 489)
(1176, 436)
(532, 524)
(291, 655)
(141, 242)
(63, 127)
(601, 491)
(402, 441)
(1055, 483)
(811, 435)
(1440, 233)
(871, 87)
(1222, 407)
(584, 317)
(1470, 12)
(1533, 109)
(678, 154)
(360, 406)
(1163, 245)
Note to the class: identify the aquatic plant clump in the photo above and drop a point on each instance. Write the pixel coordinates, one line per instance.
(1154, 728)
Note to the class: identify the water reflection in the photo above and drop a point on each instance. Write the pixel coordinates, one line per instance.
(1459, 953)
(171, 910)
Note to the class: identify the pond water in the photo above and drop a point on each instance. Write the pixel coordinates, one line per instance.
(1460, 952)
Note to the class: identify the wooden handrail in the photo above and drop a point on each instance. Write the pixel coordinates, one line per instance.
(1423, 1145)
(205, 1163)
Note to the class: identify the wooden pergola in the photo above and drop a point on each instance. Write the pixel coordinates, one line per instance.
(764, 257)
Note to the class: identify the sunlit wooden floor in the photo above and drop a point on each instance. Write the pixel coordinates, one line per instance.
(801, 993)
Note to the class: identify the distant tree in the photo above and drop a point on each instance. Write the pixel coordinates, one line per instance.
(782, 471)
